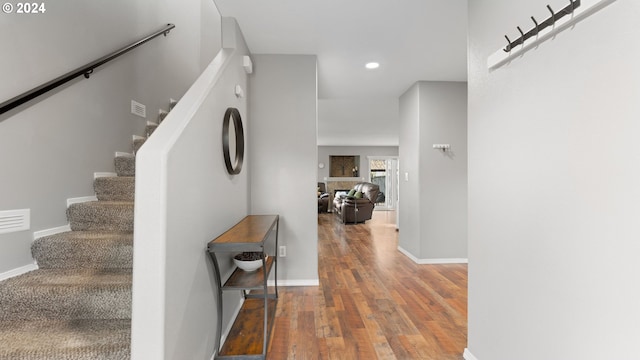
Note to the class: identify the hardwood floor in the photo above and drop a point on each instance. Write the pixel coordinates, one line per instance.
(373, 302)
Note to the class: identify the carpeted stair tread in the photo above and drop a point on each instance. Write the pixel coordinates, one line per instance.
(115, 188)
(88, 339)
(84, 249)
(67, 294)
(101, 215)
(125, 165)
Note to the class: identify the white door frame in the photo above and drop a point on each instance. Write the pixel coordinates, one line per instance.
(391, 191)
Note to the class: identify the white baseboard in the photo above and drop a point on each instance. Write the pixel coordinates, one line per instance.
(124, 154)
(286, 283)
(81, 200)
(433, 261)
(468, 355)
(19, 271)
(103, 174)
(52, 231)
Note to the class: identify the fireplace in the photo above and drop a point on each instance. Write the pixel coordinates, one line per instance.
(335, 184)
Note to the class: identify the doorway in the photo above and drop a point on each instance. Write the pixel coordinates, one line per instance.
(383, 171)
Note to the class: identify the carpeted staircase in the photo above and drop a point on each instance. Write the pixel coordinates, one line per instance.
(77, 305)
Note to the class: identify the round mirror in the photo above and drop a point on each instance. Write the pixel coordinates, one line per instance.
(233, 141)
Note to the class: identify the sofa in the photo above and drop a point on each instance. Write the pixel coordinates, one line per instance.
(357, 206)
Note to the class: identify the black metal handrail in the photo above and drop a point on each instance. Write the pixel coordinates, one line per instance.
(85, 70)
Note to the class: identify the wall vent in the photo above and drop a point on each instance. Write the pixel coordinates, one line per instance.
(15, 220)
(138, 109)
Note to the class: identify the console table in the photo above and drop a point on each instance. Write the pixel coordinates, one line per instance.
(251, 330)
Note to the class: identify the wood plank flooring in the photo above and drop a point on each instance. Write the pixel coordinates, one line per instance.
(373, 302)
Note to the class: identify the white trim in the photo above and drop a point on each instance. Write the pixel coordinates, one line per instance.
(444, 261)
(81, 200)
(382, 157)
(285, 283)
(103, 174)
(433, 261)
(151, 123)
(52, 231)
(468, 355)
(587, 8)
(19, 271)
(124, 154)
(137, 137)
(344, 179)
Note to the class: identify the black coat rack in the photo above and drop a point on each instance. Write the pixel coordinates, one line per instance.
(551, 21)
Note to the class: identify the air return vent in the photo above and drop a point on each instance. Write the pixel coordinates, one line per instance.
(138, 109)
(14, 220)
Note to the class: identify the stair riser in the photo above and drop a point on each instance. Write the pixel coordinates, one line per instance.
(115, 188)
(125, 166)
(150, 129)
(83, 254)
(86, 216)
(64, 303)
(137, 144)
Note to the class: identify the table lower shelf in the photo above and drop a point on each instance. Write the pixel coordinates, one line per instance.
(246, 337)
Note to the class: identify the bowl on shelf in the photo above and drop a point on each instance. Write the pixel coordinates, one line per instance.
(248, 261)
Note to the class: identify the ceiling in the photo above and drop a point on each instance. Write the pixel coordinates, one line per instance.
(411, 39)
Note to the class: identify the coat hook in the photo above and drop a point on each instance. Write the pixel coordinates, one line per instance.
(522, 34)
(537, 26)
(508, 48)
(88, 73)
(572, 6)
(553, 15)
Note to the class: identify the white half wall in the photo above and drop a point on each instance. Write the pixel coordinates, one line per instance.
(283, 150)
(184, 199)
(554, 187)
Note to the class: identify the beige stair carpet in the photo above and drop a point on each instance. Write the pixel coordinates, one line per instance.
(77, 305)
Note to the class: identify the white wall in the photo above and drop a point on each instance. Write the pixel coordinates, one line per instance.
(184, 199)
(443, 175)
(553, 188)
(363, 151)
(283, 151)
(409, 186)
(434, 199)
(50, 148)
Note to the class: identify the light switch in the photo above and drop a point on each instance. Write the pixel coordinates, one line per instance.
(406, 176)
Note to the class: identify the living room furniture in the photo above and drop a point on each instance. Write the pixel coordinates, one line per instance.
(357, 206)
(249, 335)
(323, 198)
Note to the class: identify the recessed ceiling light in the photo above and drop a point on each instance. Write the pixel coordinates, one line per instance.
(372, 65)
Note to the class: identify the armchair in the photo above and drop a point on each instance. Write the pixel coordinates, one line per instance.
(356, 209)
(323, 198)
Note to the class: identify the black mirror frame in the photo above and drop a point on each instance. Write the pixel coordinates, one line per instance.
(235, 167)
